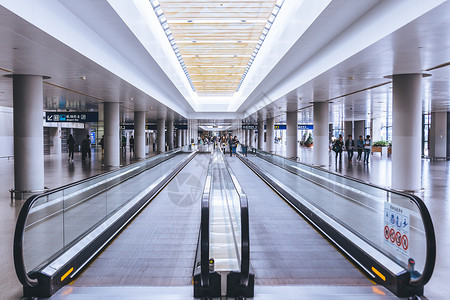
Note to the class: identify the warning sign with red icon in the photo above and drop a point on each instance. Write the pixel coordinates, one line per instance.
(396, 229)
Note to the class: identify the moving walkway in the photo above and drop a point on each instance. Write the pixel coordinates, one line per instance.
(387, 234)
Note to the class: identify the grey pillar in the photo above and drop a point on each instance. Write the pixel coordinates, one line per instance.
(438, 135)
(270, 134)
(139, 134)
(179, 134)
(28, 133)
(151, 141)
(111, 135)
(55, 137)
(161, 135)
(261, 135)
(321, 134)
(251, 138)
(170, 134)
(406, 128)
(291, 134)
(348, 129)
(359, 129)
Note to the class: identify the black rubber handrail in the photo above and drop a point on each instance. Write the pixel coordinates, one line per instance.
(19, 263)
(430, 258)
(245, 229)
(204, 229)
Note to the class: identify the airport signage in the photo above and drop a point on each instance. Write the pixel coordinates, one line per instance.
(299, 127)
(250, 126)
(77, 117)
(396, 230)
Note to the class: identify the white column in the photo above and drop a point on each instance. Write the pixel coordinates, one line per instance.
(139, 134)
(291, 134)
(161, 135)
(111, 136)
(179, 134)
(261, 135)
(270, 134)
(406, 128)
(321, 134)
(170, 134)
(28, 133)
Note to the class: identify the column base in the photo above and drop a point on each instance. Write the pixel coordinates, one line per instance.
(24, 195)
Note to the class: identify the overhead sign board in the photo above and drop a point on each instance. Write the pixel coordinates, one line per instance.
(77, 117)
(250, 126)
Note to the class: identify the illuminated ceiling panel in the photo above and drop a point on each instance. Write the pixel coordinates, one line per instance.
(216, 41)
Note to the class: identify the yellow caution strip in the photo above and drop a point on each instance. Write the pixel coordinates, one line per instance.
(379, 274)
(67, 274)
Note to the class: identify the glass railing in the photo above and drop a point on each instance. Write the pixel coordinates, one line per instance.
(52, 222)
(396, 224)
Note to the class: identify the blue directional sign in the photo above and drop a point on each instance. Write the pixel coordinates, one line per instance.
(77, 117)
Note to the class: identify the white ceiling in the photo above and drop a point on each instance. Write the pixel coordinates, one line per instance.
(345, 51)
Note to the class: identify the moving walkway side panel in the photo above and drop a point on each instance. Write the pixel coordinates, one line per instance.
(352, 215)
(158, 247)
(285, 250)
(60, 268)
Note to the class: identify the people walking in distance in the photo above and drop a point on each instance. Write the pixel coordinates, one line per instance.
(235, 144)
(102, 143)
(359, 147)
(131, 145)
(350, 146)
(230, 144)
(337, 147)
(124, 144)
(86, 148)
(71, 145)
(367, 148)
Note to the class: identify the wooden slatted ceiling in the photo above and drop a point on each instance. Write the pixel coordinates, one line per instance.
(216, 38)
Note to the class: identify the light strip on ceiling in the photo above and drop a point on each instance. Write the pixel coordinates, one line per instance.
(264, 33)
(218, 21)
(165, 26)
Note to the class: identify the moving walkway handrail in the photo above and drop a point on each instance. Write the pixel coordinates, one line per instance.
(245, 230)
(19, 262)
(204, 231)
(430, 257)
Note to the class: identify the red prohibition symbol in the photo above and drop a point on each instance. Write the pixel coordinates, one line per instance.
(392, 235)
(398, 238)
(386, 232)
(405, 242)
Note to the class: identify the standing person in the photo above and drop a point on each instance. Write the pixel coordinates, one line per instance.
(359, 147)
(86, 148)
(131, 144)
(223, 144)
(350, 146)
(102, 143)
(235, 144)
(230, 144)
(124, 144)
(367, 148)
(337, 147)
(71, 146)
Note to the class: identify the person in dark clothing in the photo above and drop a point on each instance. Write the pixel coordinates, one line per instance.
(367, 148)
(131, 145)
(102, 143)
(337, 147)
(71, 145)
(86, 148)
(350, 146)
(230, 144)
(359, 147)
(124, 144)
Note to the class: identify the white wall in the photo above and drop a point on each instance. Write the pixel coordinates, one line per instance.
(6, 132)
